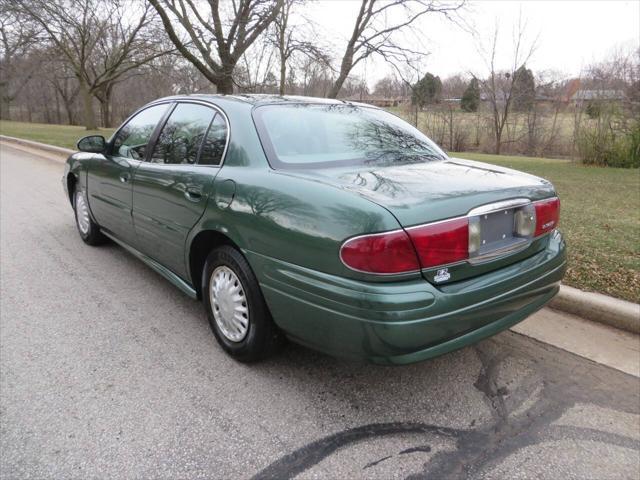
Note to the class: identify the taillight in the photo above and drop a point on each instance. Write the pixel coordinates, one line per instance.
(383, 253)
(449, 241)
(441, 243)
(547, 215)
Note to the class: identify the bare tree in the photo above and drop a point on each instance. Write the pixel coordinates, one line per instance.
(315, 78)
(64, 83)
(390, 87)
(499, 85)
(287, 39)
(18, 36)
(216, 39)
(96, 39)
(254, 74)
(374, 29)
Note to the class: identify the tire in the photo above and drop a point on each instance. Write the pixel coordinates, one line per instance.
(89, 230)
(237, 312)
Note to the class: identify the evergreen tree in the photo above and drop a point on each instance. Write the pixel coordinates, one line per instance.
(471, 97)
(524, 89)
(426, 90)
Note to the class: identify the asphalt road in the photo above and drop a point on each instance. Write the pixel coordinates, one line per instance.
(107, 371)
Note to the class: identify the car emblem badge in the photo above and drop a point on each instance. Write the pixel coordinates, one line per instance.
(442, 275)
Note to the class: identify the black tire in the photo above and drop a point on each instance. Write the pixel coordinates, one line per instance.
(90, 235)
(262, 338)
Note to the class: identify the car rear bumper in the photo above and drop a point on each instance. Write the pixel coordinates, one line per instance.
(409, 321)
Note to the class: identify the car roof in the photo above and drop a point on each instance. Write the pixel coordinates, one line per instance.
(257, 99)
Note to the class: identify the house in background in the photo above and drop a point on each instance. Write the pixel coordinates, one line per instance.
(574, 93)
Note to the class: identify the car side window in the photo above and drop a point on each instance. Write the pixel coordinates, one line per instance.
(131, 140)
(214, 143)
(180, 139)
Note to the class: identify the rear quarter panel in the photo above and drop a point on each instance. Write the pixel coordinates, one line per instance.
(289, 219)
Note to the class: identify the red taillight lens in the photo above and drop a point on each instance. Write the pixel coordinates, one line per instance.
(547, 215)
(441, 243)
(390, 252)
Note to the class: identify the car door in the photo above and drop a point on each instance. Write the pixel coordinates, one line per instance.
(109, 181)
(171, 190)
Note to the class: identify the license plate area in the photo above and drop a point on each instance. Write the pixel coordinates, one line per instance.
(496, 231)
(500, 231)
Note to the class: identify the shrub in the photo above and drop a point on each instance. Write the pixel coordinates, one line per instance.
(607, 147)
(593, 109)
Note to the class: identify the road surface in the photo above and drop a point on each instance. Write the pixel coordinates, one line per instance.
(107, 371)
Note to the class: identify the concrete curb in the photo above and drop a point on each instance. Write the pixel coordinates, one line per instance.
(593, 306)
(38, 145)
(599, 308)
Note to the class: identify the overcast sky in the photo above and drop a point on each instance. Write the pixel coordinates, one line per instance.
(572, 34)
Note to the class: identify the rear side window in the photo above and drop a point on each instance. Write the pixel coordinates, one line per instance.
(214, 143)
(180, 139)
(131, 140)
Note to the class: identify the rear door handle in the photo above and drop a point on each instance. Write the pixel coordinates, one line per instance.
(193, 194)
(125, 177)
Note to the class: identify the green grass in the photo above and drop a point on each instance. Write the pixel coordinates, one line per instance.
(600, 218)
(600, 210)
(59, 135)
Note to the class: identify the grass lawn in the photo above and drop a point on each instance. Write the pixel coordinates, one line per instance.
(600, 214)
(59, 135)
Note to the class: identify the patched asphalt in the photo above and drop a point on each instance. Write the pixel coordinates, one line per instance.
(107, 371)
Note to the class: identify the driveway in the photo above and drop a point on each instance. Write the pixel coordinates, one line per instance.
(107, 371)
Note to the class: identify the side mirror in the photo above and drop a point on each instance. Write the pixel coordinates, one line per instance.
(92, 144)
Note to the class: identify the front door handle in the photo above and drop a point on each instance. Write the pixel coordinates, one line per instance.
(193, 194)
(125, 177)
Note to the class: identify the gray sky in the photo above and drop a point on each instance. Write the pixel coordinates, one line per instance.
(572, 34)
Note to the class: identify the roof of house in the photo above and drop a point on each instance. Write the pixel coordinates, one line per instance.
(598, 95)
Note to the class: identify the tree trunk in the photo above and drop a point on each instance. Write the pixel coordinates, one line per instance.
(345, 67)
(47, 111)
(337, 85)
(283, 74)
(5, 113)
(58, 112)
(225, 84)
(69, 109)
(105, 107)
(450, 128)
(87, 103)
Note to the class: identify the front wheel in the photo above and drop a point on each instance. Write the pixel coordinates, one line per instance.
(87, 228)
(237, 312)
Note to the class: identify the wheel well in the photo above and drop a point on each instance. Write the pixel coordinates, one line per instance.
(202, 244)
(71, 186)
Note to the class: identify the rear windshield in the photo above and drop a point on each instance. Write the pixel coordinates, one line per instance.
(317, 136)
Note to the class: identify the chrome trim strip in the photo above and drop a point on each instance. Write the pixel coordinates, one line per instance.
(436, 223)
(497, 206)
(520, 245)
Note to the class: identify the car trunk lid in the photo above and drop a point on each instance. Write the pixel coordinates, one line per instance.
(424, 193)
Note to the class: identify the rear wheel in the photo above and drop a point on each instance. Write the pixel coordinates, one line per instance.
(89, 231)
(237, 312)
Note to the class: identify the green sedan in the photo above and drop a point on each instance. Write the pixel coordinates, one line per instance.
(334, 224)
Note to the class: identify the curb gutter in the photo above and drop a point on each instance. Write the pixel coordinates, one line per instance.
(40, 146)
(592, 306)
(598, 308)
